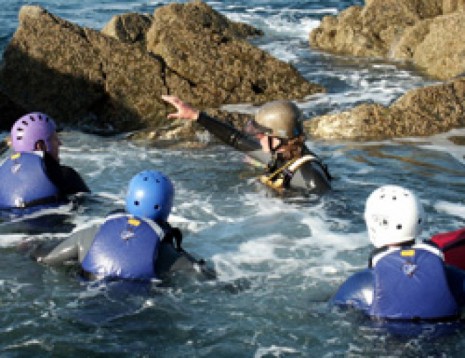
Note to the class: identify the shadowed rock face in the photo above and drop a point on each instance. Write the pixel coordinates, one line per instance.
(427, 33)
(79, 75)
(420, 112)
(10, 112)
(112, 81)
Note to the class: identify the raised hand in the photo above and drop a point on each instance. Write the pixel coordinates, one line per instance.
(184, 110)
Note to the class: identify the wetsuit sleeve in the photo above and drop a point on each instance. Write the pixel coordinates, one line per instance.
(73, 248)
(67, 180)
(234, 137)
(72, 182)
(173, 258)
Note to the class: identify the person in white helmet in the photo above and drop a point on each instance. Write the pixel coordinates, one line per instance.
(406, 279)
(275, 138)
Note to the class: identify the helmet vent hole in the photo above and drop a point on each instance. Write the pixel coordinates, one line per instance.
(394, 198)
(32, 118)
(382, 196)
(399, 227)
(145, 178)
(419, 220)
(157, 180)
(156, 207)
(136, 202)
(24, 122)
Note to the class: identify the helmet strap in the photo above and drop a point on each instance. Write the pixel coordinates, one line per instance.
(281, 143)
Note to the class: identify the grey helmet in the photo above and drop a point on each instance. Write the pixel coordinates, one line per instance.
(280, 119)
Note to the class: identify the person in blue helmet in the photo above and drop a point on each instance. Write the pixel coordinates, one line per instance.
(32, 176)
(405, 280)
(274, 138)
(136, 244)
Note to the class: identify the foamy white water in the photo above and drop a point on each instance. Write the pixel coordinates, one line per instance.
(278, 260)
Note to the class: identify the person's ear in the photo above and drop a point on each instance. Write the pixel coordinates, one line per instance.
(40, 145)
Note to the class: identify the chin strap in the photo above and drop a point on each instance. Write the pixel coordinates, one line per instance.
(273, 150)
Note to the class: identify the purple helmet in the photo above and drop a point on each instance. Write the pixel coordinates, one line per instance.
(31, 128)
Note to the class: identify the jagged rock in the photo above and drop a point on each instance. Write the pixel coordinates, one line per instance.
(420, 112)
(80, 76)
(104, 84)
(129, 28)
(427, 33)
(440, 51)
(204, 47)
(370, 30)
(449, 6)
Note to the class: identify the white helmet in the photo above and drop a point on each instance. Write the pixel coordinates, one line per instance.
(393, 215)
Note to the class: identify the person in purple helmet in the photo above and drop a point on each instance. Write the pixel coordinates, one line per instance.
(32, 177)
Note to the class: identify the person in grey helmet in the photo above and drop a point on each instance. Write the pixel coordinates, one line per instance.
(275, 138)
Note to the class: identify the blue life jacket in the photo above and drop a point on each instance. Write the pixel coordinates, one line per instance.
(356, 291)
(411, 283)
(124, 247)
(24, 182)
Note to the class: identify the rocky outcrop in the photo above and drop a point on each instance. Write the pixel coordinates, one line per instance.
(420, 112)
(112, 81)
(129, 28)
(426, 33)
(208, 50)
(80, 76)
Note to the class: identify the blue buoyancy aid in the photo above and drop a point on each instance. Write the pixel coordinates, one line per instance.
(25, 182)
(124, 247)
(411, 283)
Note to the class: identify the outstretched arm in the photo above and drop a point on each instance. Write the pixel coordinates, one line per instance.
(73, 248)
(223, 131)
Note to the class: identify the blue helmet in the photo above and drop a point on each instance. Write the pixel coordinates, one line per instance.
(150, 195)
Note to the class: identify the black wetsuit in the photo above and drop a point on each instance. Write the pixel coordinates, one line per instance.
(66, 179)
(312, 176)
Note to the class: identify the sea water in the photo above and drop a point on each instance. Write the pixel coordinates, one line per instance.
(278, 260)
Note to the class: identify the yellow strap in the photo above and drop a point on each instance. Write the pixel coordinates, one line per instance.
(293, 165)
(133, 222)
(279, 170)
(276, 184)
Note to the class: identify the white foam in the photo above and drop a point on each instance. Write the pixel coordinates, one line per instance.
(275, 351)
(455, 209)
(441, 142)
(10, 240)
